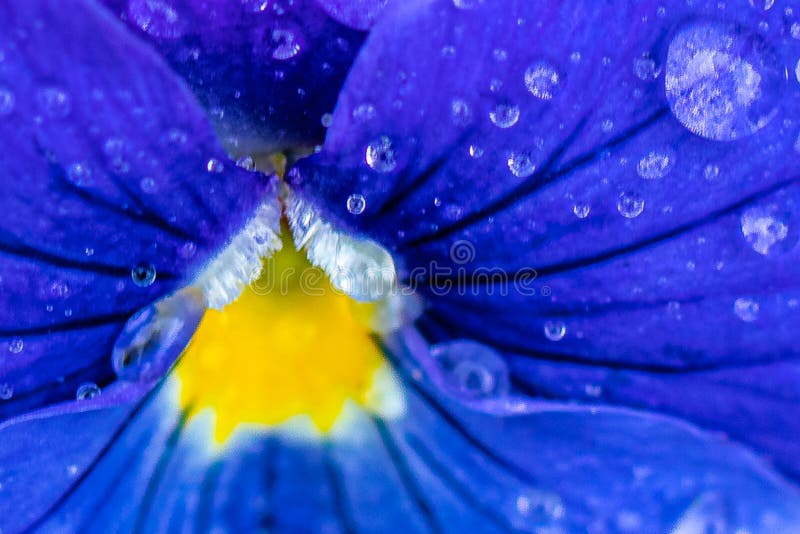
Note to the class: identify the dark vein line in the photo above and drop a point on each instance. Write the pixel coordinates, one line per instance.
(83, 323)
(339, 492)
(208, 489)
(268, 519)
(406, 477)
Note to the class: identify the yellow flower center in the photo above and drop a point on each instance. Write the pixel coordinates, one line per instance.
(290, 346)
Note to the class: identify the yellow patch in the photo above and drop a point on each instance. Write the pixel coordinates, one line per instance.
(290, 345)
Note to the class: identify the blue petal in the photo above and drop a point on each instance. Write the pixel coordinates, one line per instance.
(612, 160)
(266, 71)
(107, 200)
(440, 468)
(361, 14)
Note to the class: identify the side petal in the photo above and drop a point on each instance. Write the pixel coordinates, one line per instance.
(439, 468)
(588, 184)
(266, 71)
(114, 193)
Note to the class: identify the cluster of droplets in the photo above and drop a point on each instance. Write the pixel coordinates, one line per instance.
(239, 263)
(358, 267)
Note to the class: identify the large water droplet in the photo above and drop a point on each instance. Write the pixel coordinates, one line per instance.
(143, 274)
(356, 204)
(380, 155)
(630, 205)
(656, 164)
(542, 79)
(746, 309)
(156, 17)
(766, 228)
(504, 115)
(521, 164)
(156, 335)
(722, 82)
(471, 370)
(87, 391)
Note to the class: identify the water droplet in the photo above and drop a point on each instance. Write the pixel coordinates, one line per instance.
(284, 44)
(466, 4)
(542, 80)
(187, 250)
(746, 309)
(645, 68)
(471, 370)
(155, 336)
(59, 290)
(535, 507)
(504, 115)
(796, 73)
(7, 101)
(721, 81)
(87, 391)
(656, 164)
(500, 54)
(766, 228)
(475, 151)
(363, 112)
(630, 205)
(581, 210)
(148, 185)
(460, 112)
(156, 17)
(711, 172)
(380, 155)
(80, 174)
(762, 5)
(795, 30)
(6, 391)
(555, 330)
(246, 162)
(521, 164)
(326, 120)
(54, 102)
(143, 274)
(607, 125)
(356, 204)
(16, 345)
(215, 166)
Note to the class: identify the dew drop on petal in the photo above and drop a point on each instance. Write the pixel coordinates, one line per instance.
(148, 185)
(711, 172)
(581, 210)
(6, 391)
(284, 44)
(156, 17)
(7, 101)
(246, 162)
(521, 164)
(380, 155)
(504, 115)
(542, 80)
(363, 112)
(54, 102)
(87, 391)
(722, 82)
(214, 165)
(143, 274)
(471, 370)
(466, 4)
(79, 174)
(630, 205)
(460, 112)
(765, 228)
(746, 309)
(16, 345)
(356, 204)
(645, 68)
(762, 5)
(475, 151)
(555, 330)
(656, 164)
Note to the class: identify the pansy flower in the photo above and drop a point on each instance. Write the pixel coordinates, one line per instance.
(410, 266)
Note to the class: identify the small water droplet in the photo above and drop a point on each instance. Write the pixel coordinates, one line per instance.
(214, 165)
(16, 345)
(6, 391)
(504, 115)
(746, 309)
(54, 102)
(762, 5)
(630, 205)
(246, 162)
(356, 204)
(187, 250)
(87, 391)
(542, 80)
(460, 112)
(143, 274)
(765, 228)
(795, 30)
(471, 370)
(581, 210)
(711, 172)
(326, 120)
(656, 164)
(380, 155)
(148, 185)
(521, 164)
(466, 4)
(475, 151)
(284, 44)
(156, 17)
(555, 330)
(363, 112)
(80, 174)
(721, 81)
(7, 101)
(645, 68)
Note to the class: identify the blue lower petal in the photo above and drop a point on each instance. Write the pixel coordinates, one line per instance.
(115, 191)
(439, 468)
(637, 195)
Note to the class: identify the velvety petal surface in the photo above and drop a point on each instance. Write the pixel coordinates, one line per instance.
(607, 193)
(114, 192)
(266, 70)
(439, 468)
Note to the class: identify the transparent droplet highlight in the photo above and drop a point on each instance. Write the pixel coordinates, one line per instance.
(581, 210)
(746, 309)
(656, 164)
(54, 102)
(504, 115)
(766, 229)
(521, 164)
(16, 346)
(630, 205)
(156, 17)
(7, 102)
(6, 391)
(471, 370)
(87, 391)
(542, 79)
(143, 274)
(356, 204)
(722, 82)
(380, 155)
(213, 165)
(555, 330)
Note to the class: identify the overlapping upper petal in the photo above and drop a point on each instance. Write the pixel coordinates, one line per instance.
(114, 192)
(644, 175)
(266, 71)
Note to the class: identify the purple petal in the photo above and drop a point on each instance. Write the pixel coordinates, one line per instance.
(266, 71)
(629, 170)
(114, 193)
(359, 14)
